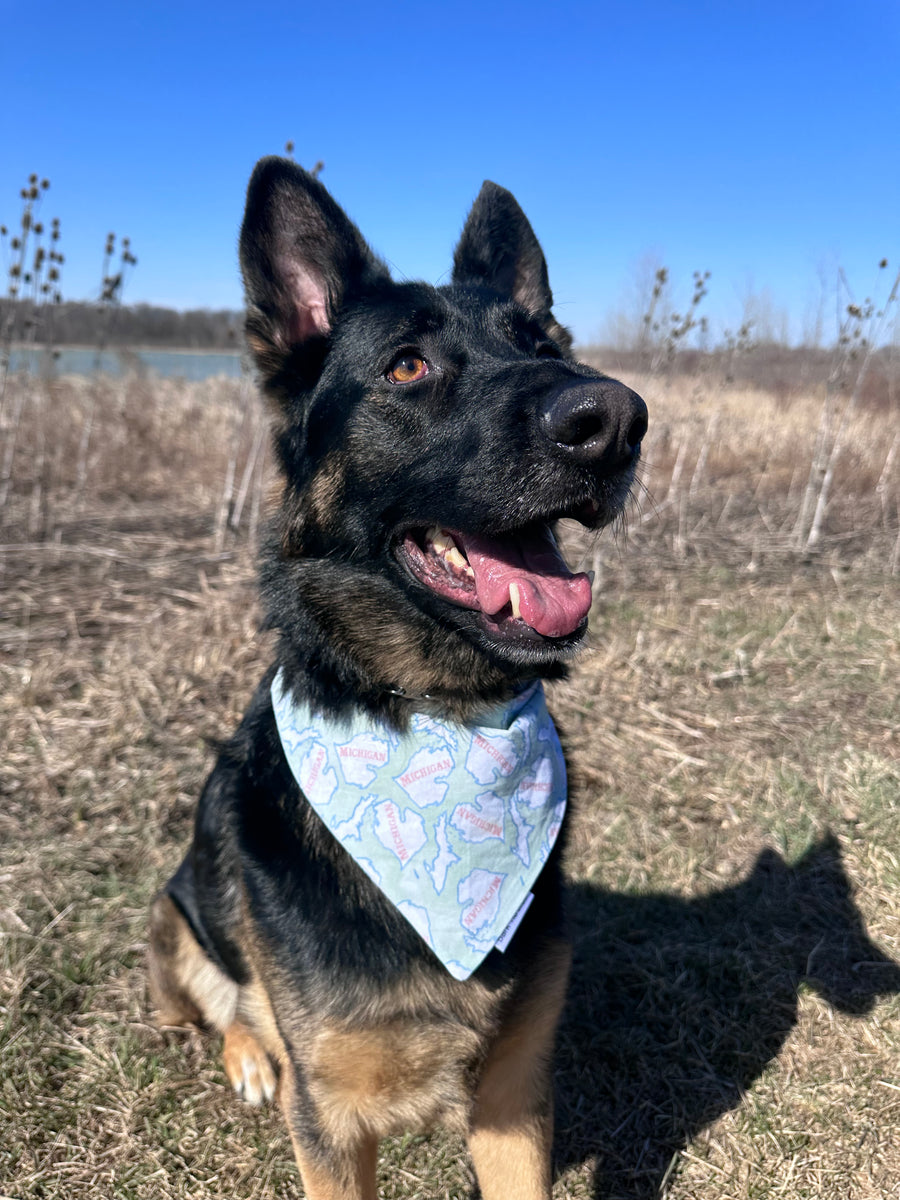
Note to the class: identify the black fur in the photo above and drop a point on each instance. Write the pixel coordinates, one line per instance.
(503, 433)
(465, 448)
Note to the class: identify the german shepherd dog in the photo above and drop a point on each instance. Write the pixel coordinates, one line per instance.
(429, 438)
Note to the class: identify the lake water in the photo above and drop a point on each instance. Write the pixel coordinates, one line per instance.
(170, 364)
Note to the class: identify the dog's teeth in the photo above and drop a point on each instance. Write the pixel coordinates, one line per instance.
(457, 559)
(443, 544)
(514, 600)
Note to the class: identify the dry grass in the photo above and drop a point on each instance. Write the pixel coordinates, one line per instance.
(734, 1023)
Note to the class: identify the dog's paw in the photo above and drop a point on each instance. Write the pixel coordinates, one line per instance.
(247, 1065)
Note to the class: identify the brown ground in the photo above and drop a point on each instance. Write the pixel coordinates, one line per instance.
(734, 1023)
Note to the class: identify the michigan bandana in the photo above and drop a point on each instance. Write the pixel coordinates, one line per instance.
(452, 822)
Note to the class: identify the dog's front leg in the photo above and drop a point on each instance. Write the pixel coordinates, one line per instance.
(338, 1177)
(329, 1171)
(511, 1130)
(512, 1157)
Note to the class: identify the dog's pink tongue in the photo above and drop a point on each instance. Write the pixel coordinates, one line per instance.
(552, 600)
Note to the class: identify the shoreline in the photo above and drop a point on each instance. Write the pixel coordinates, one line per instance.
(32, 348)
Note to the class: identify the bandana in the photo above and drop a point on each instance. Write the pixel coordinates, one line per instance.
(452, 822)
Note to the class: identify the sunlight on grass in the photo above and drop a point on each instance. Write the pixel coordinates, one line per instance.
(734, 1023)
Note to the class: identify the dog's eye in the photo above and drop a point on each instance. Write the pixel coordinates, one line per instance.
(407, 368)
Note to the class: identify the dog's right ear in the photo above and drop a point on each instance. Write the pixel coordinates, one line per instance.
(301, 258)
(498, 249)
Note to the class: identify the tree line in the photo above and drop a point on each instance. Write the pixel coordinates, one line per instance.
(81, 323)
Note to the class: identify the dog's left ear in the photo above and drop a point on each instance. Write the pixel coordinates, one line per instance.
(302, 258)
(498, 249)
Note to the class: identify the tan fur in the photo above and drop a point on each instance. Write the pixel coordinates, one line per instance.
(513, 1160)
(512, 1121)
(268, 353)
(350, 1172)
(394, 654)
(258, 346)
(401, 1071)
(247, 1065)
(256, 1011)
(185, 986)
(325, 491)
(312, 508)
(321, 1182)
(404, 1075)
(292, 519)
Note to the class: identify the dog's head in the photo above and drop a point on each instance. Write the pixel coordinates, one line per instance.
(430, 438)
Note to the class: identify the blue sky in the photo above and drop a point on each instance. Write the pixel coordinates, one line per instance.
(758, 141)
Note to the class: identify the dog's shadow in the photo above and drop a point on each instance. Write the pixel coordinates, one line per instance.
(676, 1006)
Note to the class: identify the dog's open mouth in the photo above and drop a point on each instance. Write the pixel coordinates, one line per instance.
(518, 581)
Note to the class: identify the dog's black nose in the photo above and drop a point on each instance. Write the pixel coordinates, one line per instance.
(599, 422)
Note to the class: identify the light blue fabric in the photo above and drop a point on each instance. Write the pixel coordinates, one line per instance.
(453, 823)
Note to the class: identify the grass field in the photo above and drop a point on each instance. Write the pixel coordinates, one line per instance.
(733, 1029)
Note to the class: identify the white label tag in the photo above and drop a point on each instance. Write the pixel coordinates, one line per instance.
(507, 935)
